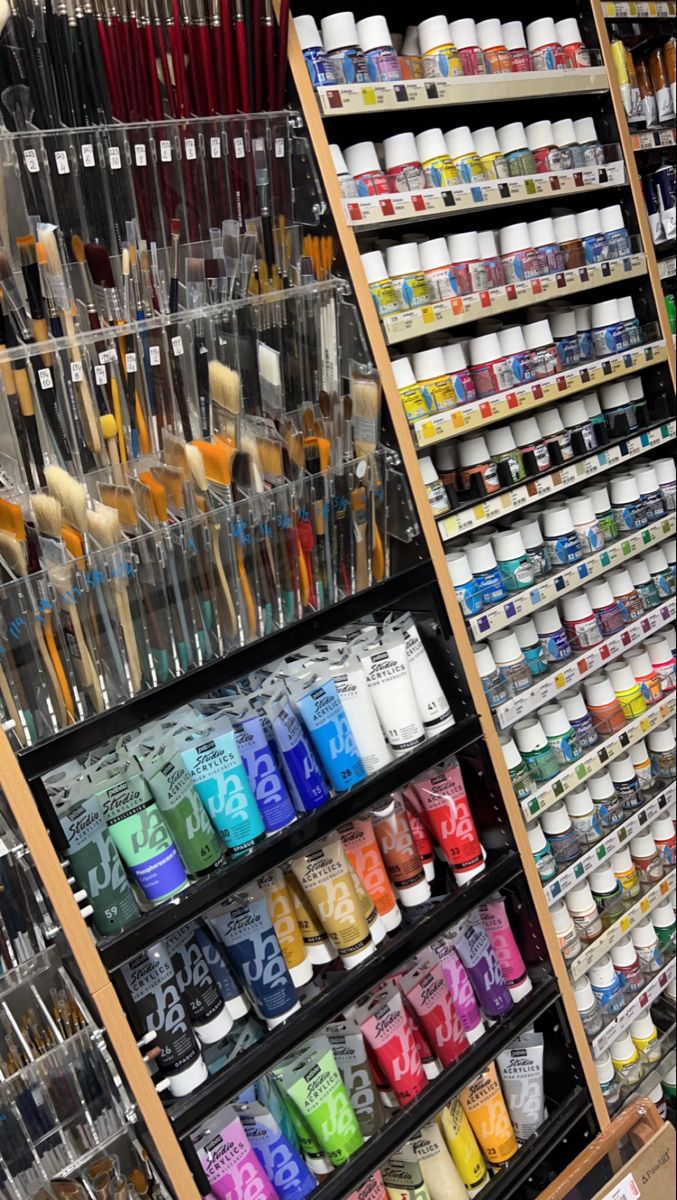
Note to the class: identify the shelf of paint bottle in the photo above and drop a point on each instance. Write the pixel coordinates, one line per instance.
(401, 95)
(560, 786)
(440, 427)
(492, 508)
(667, 267)
(639, 1004)
(612, 936)
(652, 9)
(367, 212)
(577, 669)
(557, 888)
(342, 989)
(655, 1076)
(652, 139)
(447, 314)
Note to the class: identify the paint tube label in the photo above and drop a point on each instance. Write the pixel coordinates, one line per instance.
(272, 798)
(143, 839)
(445, 801)
(98, 868)
(434, 1008)
(222, 784)
(153, 987)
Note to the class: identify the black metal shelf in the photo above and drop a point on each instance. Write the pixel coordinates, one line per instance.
(536, 1150)
(79, 739)
(273, 852)
(345, 988)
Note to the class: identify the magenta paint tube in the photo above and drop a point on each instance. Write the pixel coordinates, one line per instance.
(495, 921)
(461, 989)
(479, 959)
(233, 1171)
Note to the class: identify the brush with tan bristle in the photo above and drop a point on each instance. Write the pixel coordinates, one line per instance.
(198, 478)
(226, 392)
(104, 525)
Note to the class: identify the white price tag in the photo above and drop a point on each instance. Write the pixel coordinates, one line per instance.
(279, 147)
(62, 164)
(77, 372)
(166, 150)
(189, 146)
(215, 147)
(130, 363)
(87, 155)
(31, 161)
(107, 356)
(154, 356)
(114, 158)
(140, 156)
(45, 377)
(177, 346)
(238, 146)
(100, 374)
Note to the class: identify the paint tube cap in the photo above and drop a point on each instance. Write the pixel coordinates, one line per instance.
(557, 522)
(647, 480)
(463, 247)
(623, 1049)
(520, 989)
(238, 1007)
(574, 706)
(404, 376)
(542, 233)
(585, 131)
(541, 33)
(484, 661)
(663, 829)
(540, 135)
(663, 916)
(538, 334)
(474, 1035)
(506, 648)
(622, 769)
(486, 239)
(459, 143)
(564, 135)
(429, 364)
(185, 1082)
(644, 935)
(612, 219)
(603, 1065)
(374, 266)
(531, 532)
(514, 37)
(399, 149)
(434, 254)
(321, 953)
(339, 31)
(508, 545)
(624, 954)
(302, 973)
(500, 440)
(602, 974)
(378, 930)
(431, 144)
(556, 820)
(216, 1029)
(603, 882)
(579, 801)
(403, 259)
(473, 451)
(512, 137)
(588, 223)
(392, 919)
(308, 33)
(486, 143)
(550, 422)
(413, 896)
(666, 470)
(513, 238)
(481, 557)
(454, 357)
(458, 568)
(579, 900)
(433, 33)
(511, 754)
(526, 634)
(566, 228)
(605, 313)
(529, 735)
(274, 1022)
(537, 839)
(568, 33)
(585, 997)
(373, 32)
(661, 741)
(463, 33)
(490, 34)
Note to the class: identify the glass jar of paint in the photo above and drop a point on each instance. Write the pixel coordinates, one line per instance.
(439, 170)
(600, 698)
(494, 163)
(467, 590)
(666, 473)
(503, 449)
(464, 156)
(515, 41)
(439, 57)
(486, 573)
(537, 551)
(607, 987)
(346, 182)
(544, 240)
(670, 550)
(626, 1062)
(560, 536)
(438, 270)
(569, 941)
(535, 749)
(403, 168)
(541, 142)
(644, 1036)
(569, 36)
(589, 227)
(584, 816)
(626, 873)
(581, 905)
(661, 576)
(464, 36)
(643, 581)
(544, 47)
(381, 287)
(521, 261)
(405, 270)
(510, 661)
(380, 55)
(364, 166)
(608, 331)
(494, 684)
(517, 768)
(645, 674)
(633, 329)
(554, 434)
(627, 965)
(528, 439)
(628, 692)
(514, 351)
(542, 852)
(641, 761)
(565, 140)
(626, 504)
(646, 857)
(552, 634)
(435, 490)
(477, 472)
(414, 401)
(607, 892)
(625, 595)
(563, 326)
(542, 360)
(661, 743)
(461, 380)
(561, 737)
(490, 371)
(606, 800)
(469, 272)
(433, 378)
(605, 607)
(580, 623)
(530, 645)
(663, 659)
(486, 240)
(620, 412)
(615, 232)
(577, 421)
(595, 416)
(663, 830)
(586, 524)
(321, 69)
(580, 720)
(584, 331)
(496, 55)
(339, 35)
(601, 504)
(649, 492)
(608, 1083)
(663, 919)
(626, 782)
(514, 145)
(513, 561)
(567, 237)
(645, 941)
(586, 136)
(557, 827)
(410, 54)
(446, 461)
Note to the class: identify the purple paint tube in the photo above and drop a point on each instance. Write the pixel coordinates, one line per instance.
(270, 791)
(479, 959)
(459, 985)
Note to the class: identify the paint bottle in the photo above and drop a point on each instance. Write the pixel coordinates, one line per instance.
(541, 360)
(560, 735)
(645, 941)
(439, 57)
(663, 660)
(476, 471)
(649, 492)
(380, 55)
(625, 595)
(381, 285)
(570, 151)
(465, 38)
(535, 749)
(586, 136)
(626, 1062)
(410, 54)
(513, 561)
(516, 45)
(406, 273)
(469, 272)
(437, 267)
(663, 921)
(413, 399)
(633, 329)
(490, 371)
(550, 424)
(583, 328)
(537, 551)
(561, 538)
(626, 505)
(626, 782)
(495, 685)
(486, 240)
(520, 260)
(589, 227)
(628, 692)
(527, 436)
(496, 55)
(647, 859)
(588, 1007)
(601, 504)
(607, 987)
(403, 168)
(619, 411)
(552, 634)
(466, 587)
(606, 1076)
(660, 585)
(514, 145)
(544, 240)
(493, 161)
(347, 184)
(605, 607)
(542, 852)
(666, 472)
(670, 549)
(439, 170)
(605, 798)
(486, 573)
(364, 166)
(576, 419)
(661, 743)
(595, 417)
(517, 768)
(663, 830)
(569, 941)
(641, 761)
(503, 449)
(584, 913)
(607, 715)
(627, 965)
(608, 893)
(433, 379)
(321, 69)
(464, 156)
(625, 871)
(461, 380)
(645, 675)
(608, 331)
(530, 645)
(339, 35)
(541, 142)
(544, 47)
(569, 36)
(584, 816)
(514, 351)
(580, 721)
(645, 1038)
(511, 662)
(586, 524)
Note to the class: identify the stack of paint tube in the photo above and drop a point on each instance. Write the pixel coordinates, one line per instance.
(631, 1058)
(659, 194)
(367, 52)
(215, 778)
(432, 159)
(647, 81)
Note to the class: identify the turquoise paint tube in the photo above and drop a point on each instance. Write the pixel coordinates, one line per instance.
(212, 759)
(142, 837)
(327, 724)
(281, 1162)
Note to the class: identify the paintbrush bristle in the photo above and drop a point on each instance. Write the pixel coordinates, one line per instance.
(47, 239)
(225, 388)
(72, 496)
(98, 262)
(103, 524)
(11, 519)
(196, 468)
(217, 459)
(5, 266)
(14, 554)
(366, 411)
(47, 515)
(195, 270)
(27, 250)
(78, 248)
(119, 497)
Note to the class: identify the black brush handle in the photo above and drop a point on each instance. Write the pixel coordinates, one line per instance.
(202, 377)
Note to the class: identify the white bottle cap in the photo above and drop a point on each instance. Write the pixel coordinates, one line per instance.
(529, 735)
(573, 413)
(659, 650)
(458, 567)
(490, 34)
(614, 395)
(620, 583)
(666, 470)
(185, 1082)
(579, 802)
(484, 661)
(500, 440)
(647, 481)
(557, 522)
(639, 659)
(486, 239)
(541, 33)
(429, 364)
(663, 915)
(392, 919)
(403, 260)
(538, 334)
(481, 557)
(580, 900)
(661, 741)
(601, 501)
(511, 754)
(373, 33)
(670, 548)
(486, 141)
(362, 159)
(621, 677)
(582, 511)
(484, 349)
(512, 341)
(588, 223)
(531, 532)
(576, 607)
(526, 431)
(639, 753)
(512, 137)
(431, 144)
(554, 721)
(275, 1022)
(566, 227)
(506, 649)
(410, 45)
(473, 451)
(574, 706)
(338, 31)
(605, 313)
(644, 1027)
(463, 247)
(585, 997)
(540, 135)
(542, 233)
(556, 820)
(585, 131)
(219, 1027)
(603, 882)
(340, 165)
(459, 142)
(514, 237)
(550, 422)
(602, 974)
(663, 829)
(622, 770)
(582, 315)
(644, 935)
(400, 149)
(655, 563)
(603, 1065)
(374, 266)
(561, 918)
(600, 595)
(568, 33)
(636, 392)
(308, 33)
(537, 841)
(622, 863)
(508, 545)
(612, 218)
(643, 846)
(624, 490)
(378, 930)
(428, 470)
(601, 785)
(404, 376)
(626, 306)
(513, 35)
(547, 621)
(454, 357)
(433, 33)
(592, 407)
(463, 33)
(623, 1049)
(434, 254)
(564, 134)
(598, 691)
(624, 953)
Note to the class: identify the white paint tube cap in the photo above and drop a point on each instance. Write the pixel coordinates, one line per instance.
(575, 708)
(274, 1022)
(374, 266)
(302, 973)
(506, 648)
(460, 142)
(666, 470)
(484, 661)
(404, 376)
(520, 989)
(556, 820)
(500, 440)
(434, 254)
(585, 131)
(540, 135)
(592, 408)
(513, 238)
(644, 935)
(484, 349)
(378, 930)
(643, 1027)
(454, 357)
(598, 691)
(602, 974)
(511, 754)
(413, 896)
(538, 334)
(547, 621)
(579, 802)
(399, 150)
(566, 228)
(403, 260)
(624, 953)
(529, 735)
(623, 1049)
(585, 997)
(614, 395)
(458, 568)
(481, 557)
(508, 545)
(568, 33)
(588, 223)
(643, 846)
(362, 158)
(433, 33)
(605, 313)
(514, 37)
(490, 34)
(464, 247)
(392, 919)
(583, 514)
(429, 364)
(373, 32)
(600, 593)
(622, 770)
(580, 900)
(554, 720)
(605, 1068)
(238, 1007)
(185, 1082)
(647, 482)
(526, 431)
(541, 33)
(530, 529)
(512, 137)
(550, 422)
(512, 341)
(661, 741)
(431, 144)
(321, 953)
(340, 165)
(542, 233)
(487, 241)
(557, 522)
(564, 133)
(612, 218)
(537, 840)
(308, 33)
(339, 31)
(574, 413)
(582, 315)
(410, 45)
(213, 1031)
(663, 916)
(463, 33)
(473, 451)
(486, 141)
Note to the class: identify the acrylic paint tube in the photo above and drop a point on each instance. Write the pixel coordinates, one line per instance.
(463, 1147)
(486, 1110)
(431, 700)
(445, 803)
(439, 1171)
(350, 1053)
(327, 881)
(353, 690)
(319, 1094)
(283, 1075)
(206, 1007)
(497, 927)
(460, 988)
(389, 680)
(176, 797)
(230, 1164)
(304, 777)
(479, 959)
(266, 1092)
(521, 1070)
(141, 835)
(428, 996)
(363, 854)
(156, 999)
(419, 832)
(270, 790)
(403, 1177)
(285, 1167)
(327, 724)
(375, 925)
(281, 910)
(373, 1189)
(96, 865)
(213, 761)
(244, 926)
(390, 1036)
(397, 846)
(237, 1003)
(319, 948)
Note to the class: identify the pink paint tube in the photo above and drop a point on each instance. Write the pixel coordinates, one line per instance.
(230, 1164)
(445, 803)
(495, 921)
(388, 1031)
(417, 824)
(428, 1056)
(373, 1189)
(461, 989)
(428, 995)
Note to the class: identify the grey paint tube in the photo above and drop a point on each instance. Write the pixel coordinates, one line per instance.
(350, 1052)
(521, 1068)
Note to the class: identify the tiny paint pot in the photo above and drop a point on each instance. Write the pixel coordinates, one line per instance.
(605, 607)
(580, 720)
(605, 799)
(376, 44)
(437, 268)
(584, 816)
(658, 567)
(517, 769)
(608, 893)
(489, 370)
(645, 941)
(615, 232)
(464, 156)
(608, 331)
(606, 985)
(486, 573)
(560, 734)
(620, 411)
(586, 524)
(586, 136)
(644, 1036)
(495, 686)
(569, 941)
(589, 227)
(433, 378)
(435, 490)
(432, 152)
(560, 536)
(462, 384)
(466, 587)
(554, 434)
(646, 858)
(544, 859)
(405, 270)
(530, 645)
(602, 703)
(541, 142)
(515, 41)
(645, 675)
(381, 286)
(474, 461)
(663, 830)
(364, 166)
(567, 144)
(439, 56)
(558, 829)
(576, 419)
(666, 473)
(641, 761)
(513, 561)
(626, 962)
(529, 441)
(553, 636)
(569, 37)
(606, 1075)
(661, 743)
(339, 35)
(510, 660)
(514, 145)
(649, 492)
(584, 331)
(537, 551)
(544, 240)
(403, 167)
(606, 518)
(626, 782)
(546, 52)
(663, 921)
(628, 692)
(491, 156)
(541, 360)
(580, 623)
(535, 750)
(496, 54)
(663, 660)
(347, 184)
(626, 504)
(503, 449)
(567, 236)
(514, 351)
(321, 69)
(469, 272)
(466, 41)
(520, 260)
(414, 401)
(582, 908)
(625, 872)
(625, 595)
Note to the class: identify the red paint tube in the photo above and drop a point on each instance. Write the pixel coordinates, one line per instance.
(443, 798)
(418, 826)
(388, 1031)
(427, 994)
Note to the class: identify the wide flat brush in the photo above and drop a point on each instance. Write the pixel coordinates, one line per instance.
(104, 526)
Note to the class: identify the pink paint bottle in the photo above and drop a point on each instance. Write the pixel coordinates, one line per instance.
(663, 660)
(365, 168)
(490, 371)
(461, 379)
(541, 142)
(516, 44)
(520, 260)
(486, 240)
(542, 359)
(569, 36)
(544, 46)
(496, 54)
(544, 239)
(376, 44)
(470, 272)
(464, 36)
(403, 167)
(438, 269)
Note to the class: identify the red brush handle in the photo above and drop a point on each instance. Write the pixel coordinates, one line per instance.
(269, 59)
(153, 81)
(204, 64)
(109, 67)
(166, 74)
(228, 56)
(242, 68)
(282, 52)
(176, 46)
(259, 52)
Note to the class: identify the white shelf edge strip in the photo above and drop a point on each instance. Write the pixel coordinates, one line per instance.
(602, 945)
(634, 1009)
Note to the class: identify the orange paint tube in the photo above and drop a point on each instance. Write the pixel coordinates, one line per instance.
(363, 854)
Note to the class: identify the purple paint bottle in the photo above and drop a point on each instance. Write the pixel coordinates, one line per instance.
(376, 44)
(479, 959)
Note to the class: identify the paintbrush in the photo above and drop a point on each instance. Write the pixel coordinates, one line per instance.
(226, 391)
(13, 300)
(195, 300)
(24, 392)
(241, 56)
(198, 477)
(282, 53)
(6, 370)
(152, 501)
(104, 526)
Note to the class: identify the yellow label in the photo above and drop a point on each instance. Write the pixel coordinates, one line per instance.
(414, 402)
(479, 512)
(644, 905)
(559, 680)
(625, 924)
(385, 297)
(645, 725)
(428, 315)
(439, 393)
(368, 95)
(441, 171)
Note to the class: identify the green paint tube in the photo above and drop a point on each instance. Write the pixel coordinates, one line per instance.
(96, 864)
(320, 1096)
(350, 1052)
(283, 1076)
(196, 839)
(142, 838)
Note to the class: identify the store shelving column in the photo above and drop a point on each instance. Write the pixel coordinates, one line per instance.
(312, 116)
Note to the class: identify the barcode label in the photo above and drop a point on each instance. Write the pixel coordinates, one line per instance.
(238, 146)
(189, 145)
(130, 363)
(166, 150)
(154, 356)
(87, 154)
(114, 159)
(140, 156)
(45, 377)
(62, 164)
(31, 161)
(77, 372)
(215, 147)
(100, 374)
(177, 346)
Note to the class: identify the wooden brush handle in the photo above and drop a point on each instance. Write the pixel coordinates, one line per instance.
(227, 594)
(11, 708)
(91, 678)
(55, 673)
(125, 619)
(250, 607)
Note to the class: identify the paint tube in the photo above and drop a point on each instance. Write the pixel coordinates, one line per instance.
(443, 798)
(350, 1053)
(497, 928)
(284, 1166)
(420, 832)
(96, 864)
(304, 777)
(176, 797)
(326, 722)
(266, 1092)
(486, 1110)
(389, 1034)
(244, 926)
(479, 959)
(319, 948)
(429, 997)
(463, 1146)
(281, 910)
(213, 762)
(461, 989)
(203, 1000)
(260, 762)
(439, 1171)
(374, 923)
(389, 680)
(431, 700)
(327, 881)
(320, 1095)
(282, 1075)
(354, 694)
(403, 1177)
(363, 854)
(373, 1189)
(521, 1069)
(230, 1164)
(142, 837)
(398, 849)
(237, 1003)
(156, 1000)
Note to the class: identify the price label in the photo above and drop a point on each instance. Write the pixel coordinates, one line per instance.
(165, 150)
(238, 146)
(45, 378)
(140, 156)
(31, 161)
(215, 147)
(130, 363)
(279, 147)
(189, 149)
(77, 372)
(87, 155)
(62, 163)
(177, 346)
(107, 356)
(154, 356)
(114, 158)
(100, 374)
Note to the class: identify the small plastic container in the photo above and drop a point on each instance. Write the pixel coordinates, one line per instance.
(649, 493)
(495, 685)
(513, 561)
(544, 240)
(645, 941)
(563, 326)
(606, 1076)
(628, 692)
(546, 52)
(569, 941)
(542, 360)
(586, 136)
(555, 436)
(534, 452)
(580, 623)
(560, 735)
(605, 607)
(486, 573)
(580, 720)
(584, 331)
(645, 1037)
(641, 762)
(349, 189)
(432, 151)
(469, 271)
(515, 41)
(510, 660)
(626, 504)
(561, 538)
(433, 378)
(626, 782)
(321, 69)
(567, 144)
(493, 160)
(403, 167)
(586, 524)
(466, 587)
(339, 35)
(514, 351)
(647, 859)
(625, 595)
(601, 503)
(589, 226)
(666, 472)
(663, 659)
(606, 986)
(376, 44)
(477, 473)
(627, 965)
(435, 490)
(462, 386)
(464, 156)
(661, 743)
(583, 909)
(503, 450)
(606, 800)
(663, 921)
(519, 775)
(364, 166)
(568, 238)
(439, 56)
(530, 645)
(645, 674)
(551, 631)
(575, 416)
(405, 270)
(600, 698)
(626, 1061)
(620, 412)
(615, 231)
(584, 816)
(569, 35)
(608, 331)
(383, 292)
(465, 38)
(514, 145)
(557, 827)
(414, 402)
(541, 142)
(490, 371)
(496, 54)
(534, 544)
(486, 240)
(663, 830)
(625, 872)
(535, 749)
(437, 268)
(608, 893)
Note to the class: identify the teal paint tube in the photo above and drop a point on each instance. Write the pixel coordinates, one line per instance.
(212, 759)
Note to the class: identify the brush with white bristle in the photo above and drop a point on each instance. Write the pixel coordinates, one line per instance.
(198, 478)
(103, 524)
(226, 392)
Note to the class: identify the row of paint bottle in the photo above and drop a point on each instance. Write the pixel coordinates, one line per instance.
(633, 1056)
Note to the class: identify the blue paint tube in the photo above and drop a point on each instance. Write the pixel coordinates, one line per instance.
(268, 1095)
(304, 777)
(245, 928)
(211, 757)
(203, 1000)
(326, 721)
(236, 1003)
(284, 1166)
(270, 790)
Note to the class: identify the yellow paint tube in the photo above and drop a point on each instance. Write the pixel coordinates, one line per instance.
(318, 947)
(462, 1145)
(488, 1114)
(286, 927)
(327, 881)
(440, 1175)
